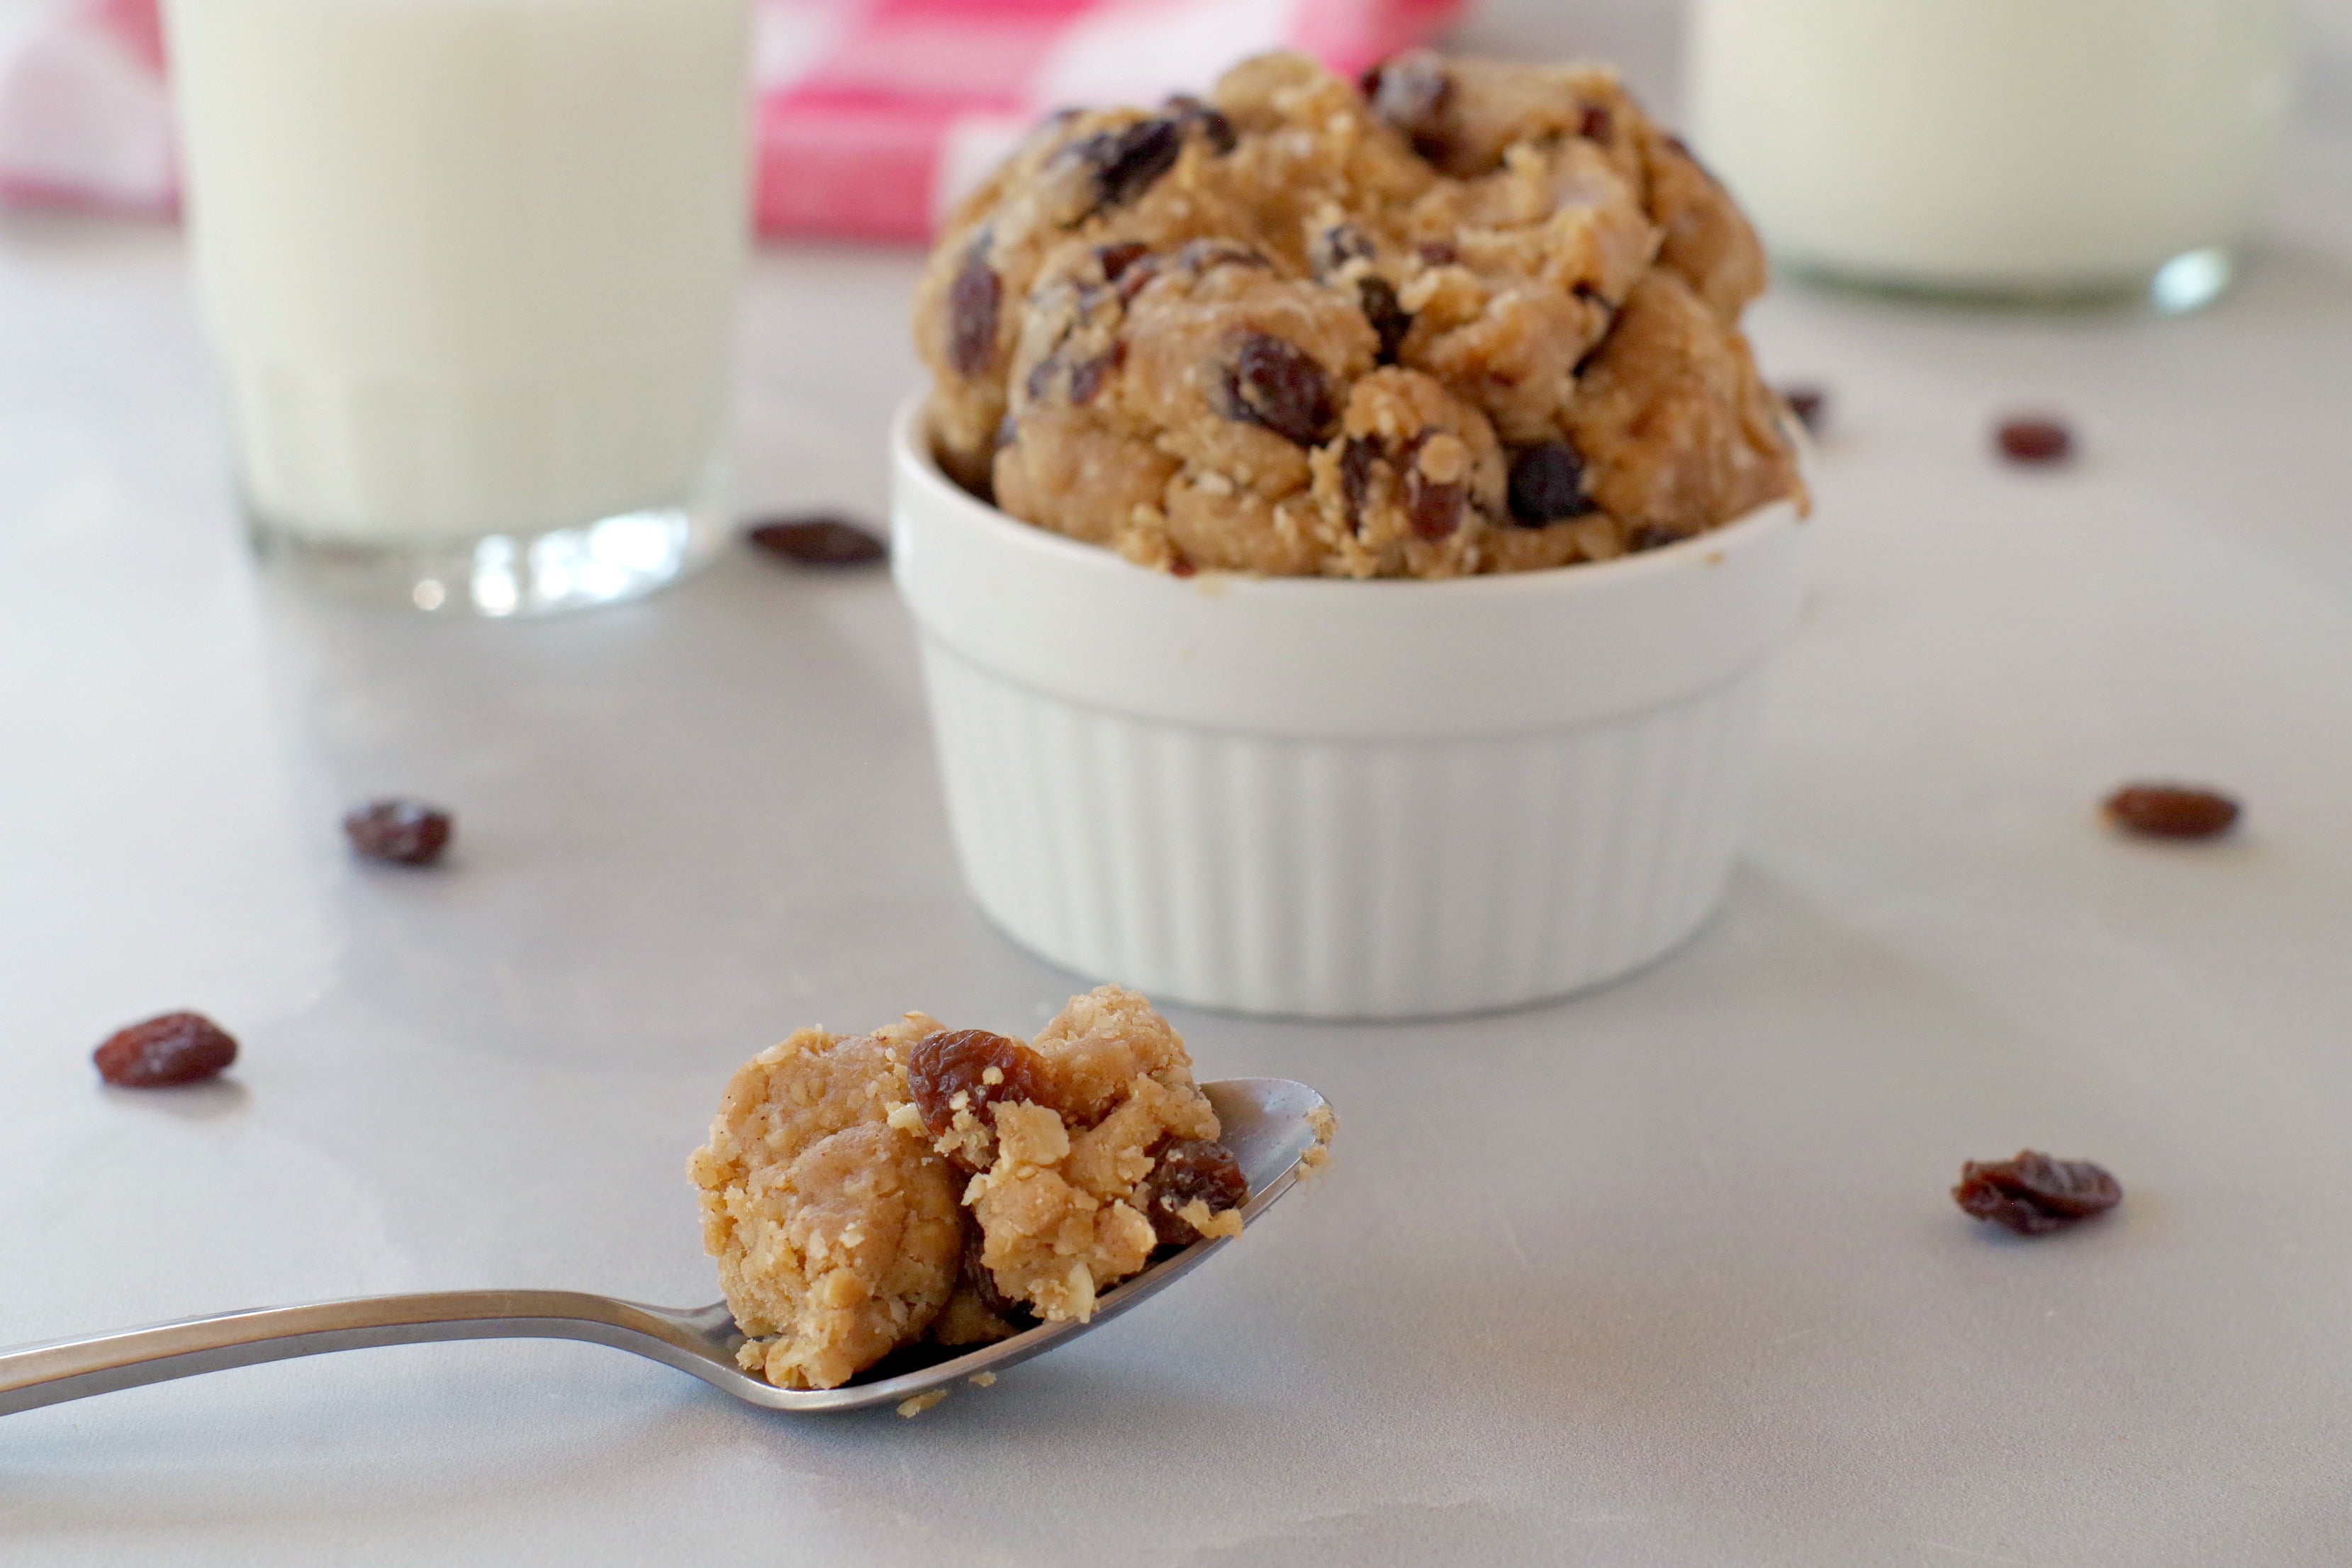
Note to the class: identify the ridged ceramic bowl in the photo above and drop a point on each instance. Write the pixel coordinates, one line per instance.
(1338, 799)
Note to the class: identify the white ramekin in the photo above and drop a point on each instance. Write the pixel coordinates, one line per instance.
(1326, 798)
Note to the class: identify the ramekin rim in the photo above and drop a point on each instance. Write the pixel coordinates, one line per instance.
(910, 449)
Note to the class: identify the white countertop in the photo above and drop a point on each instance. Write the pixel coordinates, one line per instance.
(1665, 1275)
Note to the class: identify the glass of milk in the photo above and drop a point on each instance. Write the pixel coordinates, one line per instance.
(471, 266)
(2025, 149)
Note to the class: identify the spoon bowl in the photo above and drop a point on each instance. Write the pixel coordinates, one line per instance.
(1270, 1124)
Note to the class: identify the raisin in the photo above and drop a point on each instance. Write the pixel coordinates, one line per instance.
(1135, 276)
(1202, 255)
(1389, 318)
(1437, 253)
(1183, 1170)
(2034, 1194)
(399, 831)
(1180, 567)
(2034, 441)
(1810, 405)
(973, 300)
(2171, 811)
(1410, 93)
(1215, 126)
(1086, 379)
(958, 1062)
(1548, 484)
(1597, 124)
(1336, 247)
(1356, 460)
(1117, 258)
(1129, 161)
(1280, 387)
(982, 1279)
(1433, 507)
(819, 539)
(177, 1048)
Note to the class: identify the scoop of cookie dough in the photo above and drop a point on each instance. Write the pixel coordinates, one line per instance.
(1305, 328)
(838, 1235)
(864, 1194)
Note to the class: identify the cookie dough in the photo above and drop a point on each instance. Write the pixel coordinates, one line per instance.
(839, 1234)
(862, 1194)
(1475, 316)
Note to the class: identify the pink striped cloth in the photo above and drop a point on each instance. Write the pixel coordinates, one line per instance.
(874, 115)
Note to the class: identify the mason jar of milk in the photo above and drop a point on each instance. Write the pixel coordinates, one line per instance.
(2017, 148)
(471, 266)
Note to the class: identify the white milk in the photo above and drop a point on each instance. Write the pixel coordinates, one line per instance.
(2020, 146)
(471, 264)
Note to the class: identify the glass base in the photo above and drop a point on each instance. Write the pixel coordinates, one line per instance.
(2189, 281)
(503, 576)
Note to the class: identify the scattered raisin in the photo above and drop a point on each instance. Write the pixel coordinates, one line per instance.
(1410, 93)
(1129, 161)
(1215, 126)
(2034, 1194)
(2035, 440)
(1810, 405)
(1548, 484)
(399, 831)
(1597, 124)
(819, 539)
(1336, 247)
(178, 1047)
(1180, 567)
(1185, 1170)
(1389, 318)
(973, 301)
(1280, 387)
(958, 1062)
(1437, 253)
(2171, 811)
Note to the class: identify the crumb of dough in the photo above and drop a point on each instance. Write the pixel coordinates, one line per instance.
(982, 1380)
(910, 1408)
(1481, 317)
(1325, 1123)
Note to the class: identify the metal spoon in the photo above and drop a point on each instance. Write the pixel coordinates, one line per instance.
(1268, 1125)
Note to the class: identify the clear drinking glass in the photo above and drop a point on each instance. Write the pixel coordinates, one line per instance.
(471, 266)
(2016, 149)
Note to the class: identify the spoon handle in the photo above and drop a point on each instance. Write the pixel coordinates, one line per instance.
(74, 1369)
